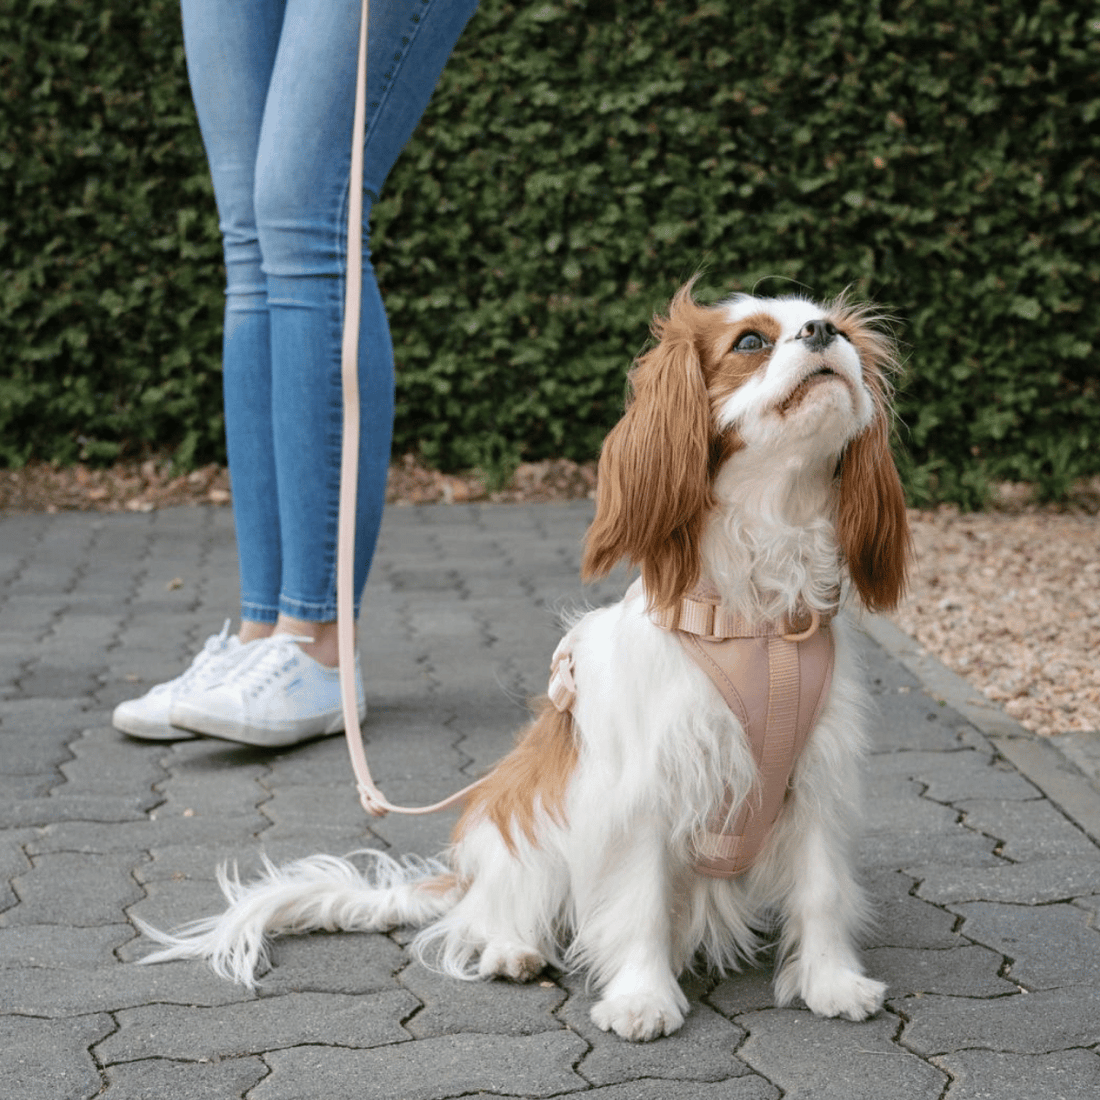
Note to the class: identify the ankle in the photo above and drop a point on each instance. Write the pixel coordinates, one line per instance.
(323, 648)
(251, 631)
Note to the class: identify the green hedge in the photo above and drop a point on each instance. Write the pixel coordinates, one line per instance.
(579, 161)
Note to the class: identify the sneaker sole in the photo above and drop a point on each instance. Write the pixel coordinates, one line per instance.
(209, 725)
(150, 731)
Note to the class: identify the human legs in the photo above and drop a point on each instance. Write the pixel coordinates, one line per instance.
(231, 51)
(274, 88)
(301, 206)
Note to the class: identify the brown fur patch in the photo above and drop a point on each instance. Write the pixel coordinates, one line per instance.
(532, 779)
(440, 884)
(872, 524)
(654, 487)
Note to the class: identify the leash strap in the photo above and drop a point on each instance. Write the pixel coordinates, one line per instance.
(371, 798)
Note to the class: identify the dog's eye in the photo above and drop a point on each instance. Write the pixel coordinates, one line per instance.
(751, 341)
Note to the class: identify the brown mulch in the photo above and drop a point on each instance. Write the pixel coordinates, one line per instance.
(1008, 598)
(145, 486)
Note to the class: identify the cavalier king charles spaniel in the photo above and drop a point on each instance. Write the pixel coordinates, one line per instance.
(692, 776)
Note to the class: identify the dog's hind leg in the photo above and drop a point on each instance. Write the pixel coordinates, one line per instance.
(503, 926)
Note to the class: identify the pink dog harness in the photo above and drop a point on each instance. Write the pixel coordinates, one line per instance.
(775, 678)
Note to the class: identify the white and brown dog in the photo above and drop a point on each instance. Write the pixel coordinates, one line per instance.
(696, 764)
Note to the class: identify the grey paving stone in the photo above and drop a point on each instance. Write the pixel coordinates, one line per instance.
(1023, 883)
(105, 765)
(1051, 946)
(702, 1050)
(915, 722)
(49, 1059)
(35, 734)
(1025, 1023)
(342, 962)
(451, 1007)
(902, 920)
(751, 1087)
(808, 1057)
(46, 677)
(49, 808)
(430, 1069)
(221, 836)
(1032, 830)
(460, 621)
(192, 1080)
(264, 1024)
(195, 792)
(68, 888)
(961, 971)
(75, 991)
(169, 904)
(29, 616)
(59, 946)
(749, 991)
(987, 1075)
(952, 776)
(890, 848)
(424, 836)
(26, 788)
(893, 803)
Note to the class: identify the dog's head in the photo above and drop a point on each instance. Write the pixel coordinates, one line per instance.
(751, 388)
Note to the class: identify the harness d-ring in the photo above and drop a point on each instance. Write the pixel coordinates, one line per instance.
(809, 632)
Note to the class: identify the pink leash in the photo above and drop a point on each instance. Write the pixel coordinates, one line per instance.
(373, 801)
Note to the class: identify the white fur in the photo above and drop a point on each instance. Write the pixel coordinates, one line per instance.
(610, 886)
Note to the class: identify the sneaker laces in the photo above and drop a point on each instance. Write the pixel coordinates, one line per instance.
(213, 646)
(269, 662)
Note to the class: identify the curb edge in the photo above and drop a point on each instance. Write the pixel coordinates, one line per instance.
(1039, 759)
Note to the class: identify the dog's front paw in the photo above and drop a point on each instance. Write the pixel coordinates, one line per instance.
(841, 991)
(510, 960)
(638, 1016)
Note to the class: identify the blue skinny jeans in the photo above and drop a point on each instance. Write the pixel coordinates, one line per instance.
(274, 83)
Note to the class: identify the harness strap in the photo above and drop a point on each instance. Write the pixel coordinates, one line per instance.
(775, 677)
(777, 689)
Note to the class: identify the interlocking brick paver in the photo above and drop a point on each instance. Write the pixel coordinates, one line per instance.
(809, 1057)
(51, 1059)
(1050, 946)
(1025, 1023)
(192, 1080)
(270, 1023)
(430, 1069)
(985, 885)
(990, 1075)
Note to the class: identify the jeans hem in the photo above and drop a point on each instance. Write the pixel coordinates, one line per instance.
(311, 612)
(258, 612)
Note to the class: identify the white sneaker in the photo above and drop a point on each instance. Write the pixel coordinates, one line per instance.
(148, 718)
(279, 696)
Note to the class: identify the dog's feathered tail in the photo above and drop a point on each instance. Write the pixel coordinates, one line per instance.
(321, 893)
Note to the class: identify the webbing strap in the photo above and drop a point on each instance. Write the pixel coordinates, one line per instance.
(796, 677)
(373, 801)
(730, 844)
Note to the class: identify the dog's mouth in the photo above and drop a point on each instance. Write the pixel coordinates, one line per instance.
(810, 382)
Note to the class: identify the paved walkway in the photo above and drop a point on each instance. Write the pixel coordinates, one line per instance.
(980, 852)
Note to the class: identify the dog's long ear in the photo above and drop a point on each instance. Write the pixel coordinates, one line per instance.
(872, 525)
(653, 488)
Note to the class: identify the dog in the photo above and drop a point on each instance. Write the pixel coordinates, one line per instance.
(667, 802)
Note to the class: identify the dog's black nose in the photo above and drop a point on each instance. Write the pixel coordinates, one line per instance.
(818, 334)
